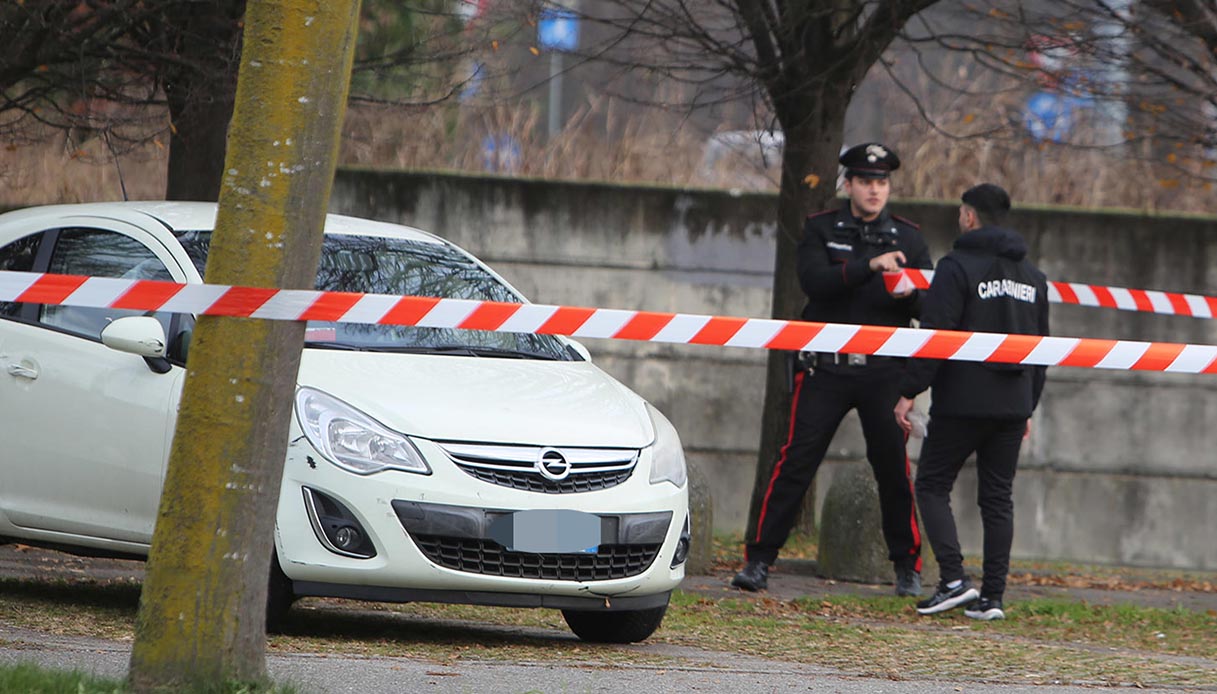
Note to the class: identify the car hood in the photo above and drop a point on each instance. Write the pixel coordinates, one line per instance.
(484, 399)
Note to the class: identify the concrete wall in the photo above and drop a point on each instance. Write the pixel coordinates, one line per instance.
(1121, 467)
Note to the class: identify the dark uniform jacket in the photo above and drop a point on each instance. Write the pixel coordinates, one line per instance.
(835, 274)
(985, 284)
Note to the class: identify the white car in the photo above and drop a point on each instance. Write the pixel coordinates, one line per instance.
(424, 464)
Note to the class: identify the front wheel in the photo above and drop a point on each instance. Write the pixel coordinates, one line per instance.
(619, 626)
(279, 597)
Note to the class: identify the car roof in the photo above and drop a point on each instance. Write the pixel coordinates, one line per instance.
(190, 216)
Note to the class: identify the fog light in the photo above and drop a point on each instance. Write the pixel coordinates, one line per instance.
(682, 547)
(347, 538)
(336, 527)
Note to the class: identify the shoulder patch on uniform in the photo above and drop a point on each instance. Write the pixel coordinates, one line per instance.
(906, 220)
(821, 213)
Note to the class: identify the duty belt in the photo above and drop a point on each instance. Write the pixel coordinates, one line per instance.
(815, 359)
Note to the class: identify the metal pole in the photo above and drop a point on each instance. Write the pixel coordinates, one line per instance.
(555, 93)
(1113, 90)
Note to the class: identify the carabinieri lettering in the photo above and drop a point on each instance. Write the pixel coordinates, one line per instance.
(994, 289)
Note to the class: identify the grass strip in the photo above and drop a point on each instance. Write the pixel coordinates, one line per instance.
(30, 678)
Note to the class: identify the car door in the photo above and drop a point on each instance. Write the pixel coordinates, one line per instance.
(86, 429)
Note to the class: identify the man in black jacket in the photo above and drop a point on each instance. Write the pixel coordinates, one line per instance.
(841, 260)
(986, 284)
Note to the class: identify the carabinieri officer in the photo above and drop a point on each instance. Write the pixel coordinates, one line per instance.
(842, 257)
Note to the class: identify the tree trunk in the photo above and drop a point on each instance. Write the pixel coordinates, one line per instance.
(200, 89)
(203, 607)
(197, 144)
(813, 129)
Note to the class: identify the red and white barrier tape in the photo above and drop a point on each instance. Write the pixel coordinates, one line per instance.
(1144, 300)
(681, 328)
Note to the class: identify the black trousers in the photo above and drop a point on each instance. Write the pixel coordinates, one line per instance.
(947, 445)
(821, 401)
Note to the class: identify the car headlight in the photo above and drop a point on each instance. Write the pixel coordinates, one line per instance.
(667, 457)
(352, 440)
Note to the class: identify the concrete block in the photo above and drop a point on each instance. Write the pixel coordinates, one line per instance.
(851, 529)
(701, 517)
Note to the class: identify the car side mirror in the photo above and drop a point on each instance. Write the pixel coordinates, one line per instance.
(140, 335)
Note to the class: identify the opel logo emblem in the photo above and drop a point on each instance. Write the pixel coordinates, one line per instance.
(552, 464)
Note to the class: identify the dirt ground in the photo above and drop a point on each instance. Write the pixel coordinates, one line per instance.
(790, 579)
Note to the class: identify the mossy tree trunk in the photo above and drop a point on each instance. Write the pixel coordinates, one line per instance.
(202, 612)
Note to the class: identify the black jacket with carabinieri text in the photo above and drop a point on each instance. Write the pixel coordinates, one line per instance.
(834, 267)
(985, 284)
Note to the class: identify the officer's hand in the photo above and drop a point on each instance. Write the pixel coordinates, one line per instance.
(888, 262)
(903, 407)
(1027, 433)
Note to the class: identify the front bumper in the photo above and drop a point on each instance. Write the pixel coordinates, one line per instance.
(433, 543)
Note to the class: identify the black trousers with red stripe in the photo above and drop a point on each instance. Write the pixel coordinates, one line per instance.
(821, 401)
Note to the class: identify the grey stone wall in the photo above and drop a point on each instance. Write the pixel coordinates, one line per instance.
(1121, 466)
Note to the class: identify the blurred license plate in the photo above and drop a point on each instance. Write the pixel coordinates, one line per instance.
(548, 531)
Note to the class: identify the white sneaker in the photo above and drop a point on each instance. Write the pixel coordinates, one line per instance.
(948, 598)
(985, 609)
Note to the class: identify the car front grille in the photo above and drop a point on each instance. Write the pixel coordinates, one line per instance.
(590, 469)
(532, 482)
(488, 558)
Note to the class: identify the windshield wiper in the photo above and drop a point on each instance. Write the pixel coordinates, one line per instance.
(323, 344)
(426, 349)
(513, 353)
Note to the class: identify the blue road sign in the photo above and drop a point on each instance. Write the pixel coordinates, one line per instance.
(1049, 116)
(501, 153)
(558, 30)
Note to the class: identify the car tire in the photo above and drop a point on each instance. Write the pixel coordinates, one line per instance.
(279, 597)
(618, 626)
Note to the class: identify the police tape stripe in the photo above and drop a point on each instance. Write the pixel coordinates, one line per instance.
(678, 328)
(1143, 300)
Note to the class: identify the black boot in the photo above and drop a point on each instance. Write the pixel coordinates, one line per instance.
(753, 577)
(908, 581)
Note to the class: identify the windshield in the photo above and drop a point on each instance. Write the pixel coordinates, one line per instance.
(400, 267)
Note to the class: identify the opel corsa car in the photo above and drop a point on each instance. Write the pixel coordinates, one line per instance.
(424, 464)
